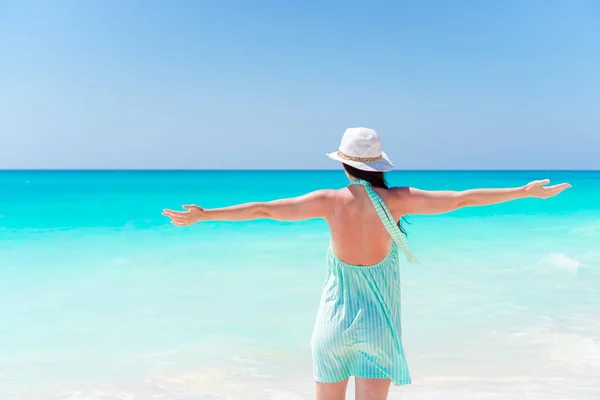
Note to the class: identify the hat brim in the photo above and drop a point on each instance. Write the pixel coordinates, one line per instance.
(383, 165)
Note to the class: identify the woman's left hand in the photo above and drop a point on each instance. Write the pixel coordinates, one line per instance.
(183, 218)
(539, 190)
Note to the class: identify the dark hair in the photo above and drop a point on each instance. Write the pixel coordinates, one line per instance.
(376, 179)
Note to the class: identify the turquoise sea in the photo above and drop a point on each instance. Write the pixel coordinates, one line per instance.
(102, 299)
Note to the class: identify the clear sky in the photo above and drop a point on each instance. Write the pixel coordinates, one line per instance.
(511, 84)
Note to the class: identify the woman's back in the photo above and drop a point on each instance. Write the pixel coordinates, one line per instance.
(358, 236)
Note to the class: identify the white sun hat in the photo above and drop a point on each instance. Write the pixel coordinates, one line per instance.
(361, 149)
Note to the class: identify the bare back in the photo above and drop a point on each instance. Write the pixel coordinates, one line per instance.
(358, 236)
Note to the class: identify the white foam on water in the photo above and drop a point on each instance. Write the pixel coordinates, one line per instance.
(560, 261)
(565, 350)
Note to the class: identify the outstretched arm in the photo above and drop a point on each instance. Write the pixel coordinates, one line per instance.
(312, 205)
(415, 201)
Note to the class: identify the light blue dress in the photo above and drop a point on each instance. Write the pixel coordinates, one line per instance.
(358, 330)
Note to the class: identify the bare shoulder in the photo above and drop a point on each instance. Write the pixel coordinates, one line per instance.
(401, 199)
(325, 194)
(401, 192)
(333, 195)
(321, 196)
(327, 200)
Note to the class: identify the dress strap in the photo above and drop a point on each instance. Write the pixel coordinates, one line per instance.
(388, 220)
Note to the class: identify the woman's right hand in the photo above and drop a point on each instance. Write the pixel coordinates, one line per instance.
(192, 215)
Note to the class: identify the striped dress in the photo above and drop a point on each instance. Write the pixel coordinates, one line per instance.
(357, 330)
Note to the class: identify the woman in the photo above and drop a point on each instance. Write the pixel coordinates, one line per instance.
(357, 332)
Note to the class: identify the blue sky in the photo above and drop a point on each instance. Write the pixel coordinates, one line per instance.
(511, 84)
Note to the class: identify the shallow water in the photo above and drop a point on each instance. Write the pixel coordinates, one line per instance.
(100, 298)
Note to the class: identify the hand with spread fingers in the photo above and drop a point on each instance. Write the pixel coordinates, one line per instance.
(192, 215)
(537, 189)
